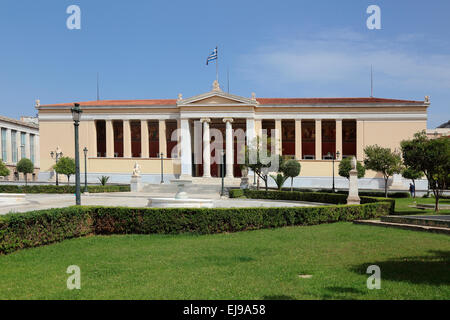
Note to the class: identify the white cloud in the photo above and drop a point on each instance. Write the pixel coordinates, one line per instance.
(343, 55)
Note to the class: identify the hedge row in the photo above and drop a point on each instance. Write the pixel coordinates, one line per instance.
(19, 231)
(333, 198)
(379, 194)
(61, 189)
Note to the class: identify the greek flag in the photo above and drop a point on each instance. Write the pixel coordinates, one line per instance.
(212, 56)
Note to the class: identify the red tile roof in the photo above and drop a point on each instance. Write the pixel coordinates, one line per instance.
(289, 101)
(153, 102)
(262, 101)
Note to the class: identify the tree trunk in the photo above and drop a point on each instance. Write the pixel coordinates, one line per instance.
(26, 182)
(292, 184)
(68, 180)
(386, 187)
(436, 202)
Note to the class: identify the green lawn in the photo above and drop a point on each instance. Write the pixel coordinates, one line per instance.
(262, 264)
(402, 206)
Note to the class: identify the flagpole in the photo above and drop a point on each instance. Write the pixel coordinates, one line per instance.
(217, 65)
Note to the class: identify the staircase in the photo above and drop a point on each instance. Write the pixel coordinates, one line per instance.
(437, 224)
(201, 191)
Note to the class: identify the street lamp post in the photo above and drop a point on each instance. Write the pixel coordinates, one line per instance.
(76, 116)
(161, 155)
(85, 150)
(56, 155)
(333, 156)
(222, 172)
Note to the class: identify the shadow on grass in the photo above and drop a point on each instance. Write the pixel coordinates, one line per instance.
(346, 293)
(278, 297)
(430, 270)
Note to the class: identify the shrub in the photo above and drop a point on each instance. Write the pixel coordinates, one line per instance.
(60, 189)
(346, 166)
(4, 171)
(333, 198)
(279, 180)
(25, 166)
(18, 231)
(103, 180)
(291, 169)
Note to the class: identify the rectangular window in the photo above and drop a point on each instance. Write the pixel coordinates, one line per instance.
(171, 128)
(288, 137)
(4, 147)
(135, 127)
(100, 126)
(32, 147)
(153, 138)
(22, 145)
(328, 139)
(118, 139)
(308, 140)
(14, 145)
(348, 138)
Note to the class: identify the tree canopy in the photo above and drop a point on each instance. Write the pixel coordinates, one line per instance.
(4, 171)
(383, 160)
(432, 158)
(65, 166)
(346, 166)
(25, 166)
(291, 169)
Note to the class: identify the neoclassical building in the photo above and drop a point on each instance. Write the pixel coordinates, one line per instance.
(19, 139)
(119, 133)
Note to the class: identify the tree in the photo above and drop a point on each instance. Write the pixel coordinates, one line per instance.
(346, 166)
(25, 166)
(383, 160)
(412, 174)
(4, 171)
(65, 166)
(261, 161)
(291, 169)
(432, 157)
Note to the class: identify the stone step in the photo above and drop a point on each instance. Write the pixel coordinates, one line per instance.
(403, 226)
(189, 189)
(430, 221)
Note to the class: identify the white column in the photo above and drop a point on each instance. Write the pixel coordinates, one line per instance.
(229, 147)
(318, 139)
(27, 145)
(37, 151)
(109, 139)
(278, 137)
(144, 139)
(126, 139)
(250, 133)
(206, 148)
(8, 146)
(186, 149)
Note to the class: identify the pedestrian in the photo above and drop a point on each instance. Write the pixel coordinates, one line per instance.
(412, 190)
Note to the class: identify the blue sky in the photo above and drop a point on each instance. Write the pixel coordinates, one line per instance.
(157, 49)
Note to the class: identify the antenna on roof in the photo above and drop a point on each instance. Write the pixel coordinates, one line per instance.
(371, 81)
(98, 88)
(228, 80)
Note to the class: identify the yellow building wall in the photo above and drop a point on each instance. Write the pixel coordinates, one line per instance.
(61, 134)
(390, 133)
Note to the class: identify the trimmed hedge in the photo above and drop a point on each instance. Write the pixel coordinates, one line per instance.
(61, 189)
(379, 194)
(333, 198)
(19, 231)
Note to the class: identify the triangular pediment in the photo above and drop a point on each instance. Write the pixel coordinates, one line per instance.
(218, 98)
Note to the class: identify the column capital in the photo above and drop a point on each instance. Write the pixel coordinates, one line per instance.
(208, 120)
(228, 119)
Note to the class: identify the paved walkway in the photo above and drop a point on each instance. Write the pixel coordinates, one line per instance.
(32, 202)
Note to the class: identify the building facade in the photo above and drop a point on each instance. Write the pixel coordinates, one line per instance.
(119, 133)
(19, 139)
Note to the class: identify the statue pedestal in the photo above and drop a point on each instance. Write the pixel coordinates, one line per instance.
(136, 185)
(353, 196)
